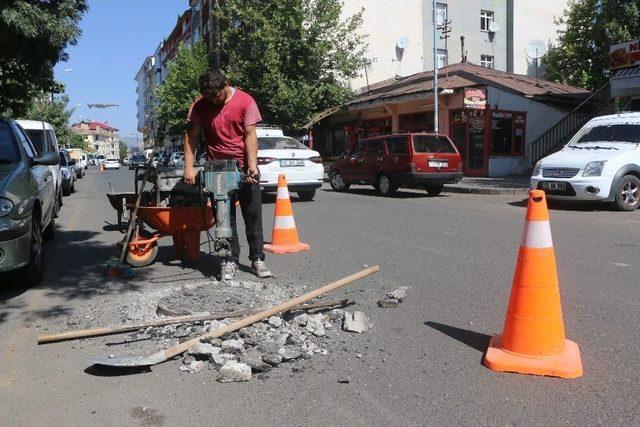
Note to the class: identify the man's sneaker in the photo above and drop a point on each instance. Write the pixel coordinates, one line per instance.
(259, 268)
(229, 270)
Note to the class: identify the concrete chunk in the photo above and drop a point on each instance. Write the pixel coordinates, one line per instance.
(356, 322)
(233, 371)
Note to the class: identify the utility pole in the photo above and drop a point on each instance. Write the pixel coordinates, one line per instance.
(435, 71)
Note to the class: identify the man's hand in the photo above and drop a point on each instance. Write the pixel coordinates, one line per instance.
(189, 174)
(253, 175)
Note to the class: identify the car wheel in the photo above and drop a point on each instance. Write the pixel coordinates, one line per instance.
(628, 193)
(66, 190)
(50, 231)
(306, 196)
(434, 190)
(385, 186)
(73, 188)
(35, 269)
(337, 182)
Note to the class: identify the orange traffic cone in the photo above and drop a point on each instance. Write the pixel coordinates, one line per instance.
(284, 238)
(533, 340)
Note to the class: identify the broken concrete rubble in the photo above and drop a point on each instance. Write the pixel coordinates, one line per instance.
(400, 294)
(356, 322)
(233, 371)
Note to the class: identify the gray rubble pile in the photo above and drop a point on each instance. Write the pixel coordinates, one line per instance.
(255, 349)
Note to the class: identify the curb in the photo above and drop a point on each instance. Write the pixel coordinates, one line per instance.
(486, 191)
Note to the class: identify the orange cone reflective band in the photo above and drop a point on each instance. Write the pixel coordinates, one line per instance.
(533, 340)
(284, 238)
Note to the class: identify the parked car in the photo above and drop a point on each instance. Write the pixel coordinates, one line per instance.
(125, 161)
(600, 163)
(100, 159)
(91, 158)
(76, 154)
(84, 160)
(279, 154)
(176, 159)
(413, 160)
(43, 137)
(27, 199)
(137, 161)
(111, 163)
(67, 167)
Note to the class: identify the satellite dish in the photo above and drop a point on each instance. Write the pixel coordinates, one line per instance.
(402, 43)
(494, 27)
(535, 49)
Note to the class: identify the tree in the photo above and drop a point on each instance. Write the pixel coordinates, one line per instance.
(293, 56)
(581, 55)
(123, 150)
(33, 37)
(180, 88)
(57, 114)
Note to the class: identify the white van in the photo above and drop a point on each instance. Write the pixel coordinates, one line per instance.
(600, 163)
(44, 138)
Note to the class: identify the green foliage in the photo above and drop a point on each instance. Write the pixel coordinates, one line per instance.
(292, 56)
(180, 89)
(76, 141)
(33, 37)
(123, 150)
(57, 114)
(592, 26)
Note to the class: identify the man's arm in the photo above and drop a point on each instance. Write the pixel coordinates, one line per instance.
(251, 151)
(190, 142)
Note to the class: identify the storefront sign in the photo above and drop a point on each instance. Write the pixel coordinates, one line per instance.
(624, 55)
(475, 99)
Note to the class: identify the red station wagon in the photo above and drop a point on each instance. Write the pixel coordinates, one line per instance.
(423, 160)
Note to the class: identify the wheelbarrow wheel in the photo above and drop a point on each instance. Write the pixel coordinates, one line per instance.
(143, 255)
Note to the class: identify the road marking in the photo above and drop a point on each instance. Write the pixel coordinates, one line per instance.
(620, 264)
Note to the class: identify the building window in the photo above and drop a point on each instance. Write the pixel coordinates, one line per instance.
(441, 13)
(486, 61)
(442, 58)
(486, 18)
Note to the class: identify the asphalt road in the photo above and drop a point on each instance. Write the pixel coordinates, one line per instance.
(421, 363)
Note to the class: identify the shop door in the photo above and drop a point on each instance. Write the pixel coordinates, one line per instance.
(475, 158)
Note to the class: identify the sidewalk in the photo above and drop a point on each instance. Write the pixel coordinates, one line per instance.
(511, 185)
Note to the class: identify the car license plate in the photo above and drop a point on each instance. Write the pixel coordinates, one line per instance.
(289, 163)
(438, 164)
(554, 186)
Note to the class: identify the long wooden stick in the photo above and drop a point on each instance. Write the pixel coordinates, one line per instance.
(121, 329)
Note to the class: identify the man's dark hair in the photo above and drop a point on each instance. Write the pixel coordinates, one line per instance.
(212, 81)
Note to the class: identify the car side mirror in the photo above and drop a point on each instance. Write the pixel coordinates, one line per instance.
(47, 159)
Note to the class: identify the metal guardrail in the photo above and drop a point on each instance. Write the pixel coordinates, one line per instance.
(560, 133)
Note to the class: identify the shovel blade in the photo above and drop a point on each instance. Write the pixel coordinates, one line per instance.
(123, 362)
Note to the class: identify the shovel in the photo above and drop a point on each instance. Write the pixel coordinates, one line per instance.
(164, 355)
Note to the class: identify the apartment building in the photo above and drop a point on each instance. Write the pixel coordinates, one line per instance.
(400, 34)
(100, 137)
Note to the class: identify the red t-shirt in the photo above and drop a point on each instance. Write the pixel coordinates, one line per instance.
(224, 125)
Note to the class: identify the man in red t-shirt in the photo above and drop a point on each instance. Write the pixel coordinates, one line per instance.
(228, 118)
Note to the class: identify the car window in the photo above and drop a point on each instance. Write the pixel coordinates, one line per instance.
(359, 150)
(37, 137)
(52, 142)
(280, 143)
(26, 143)
(397, 145)
(432, 144)
(610, 133)
(8, 147)
(375, 148)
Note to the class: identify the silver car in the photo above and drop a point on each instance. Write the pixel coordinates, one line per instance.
(27, 199)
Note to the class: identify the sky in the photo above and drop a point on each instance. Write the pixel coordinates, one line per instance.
(117, 36)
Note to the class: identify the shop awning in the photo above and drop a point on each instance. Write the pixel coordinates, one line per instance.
(625, 82)
(321, 115)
